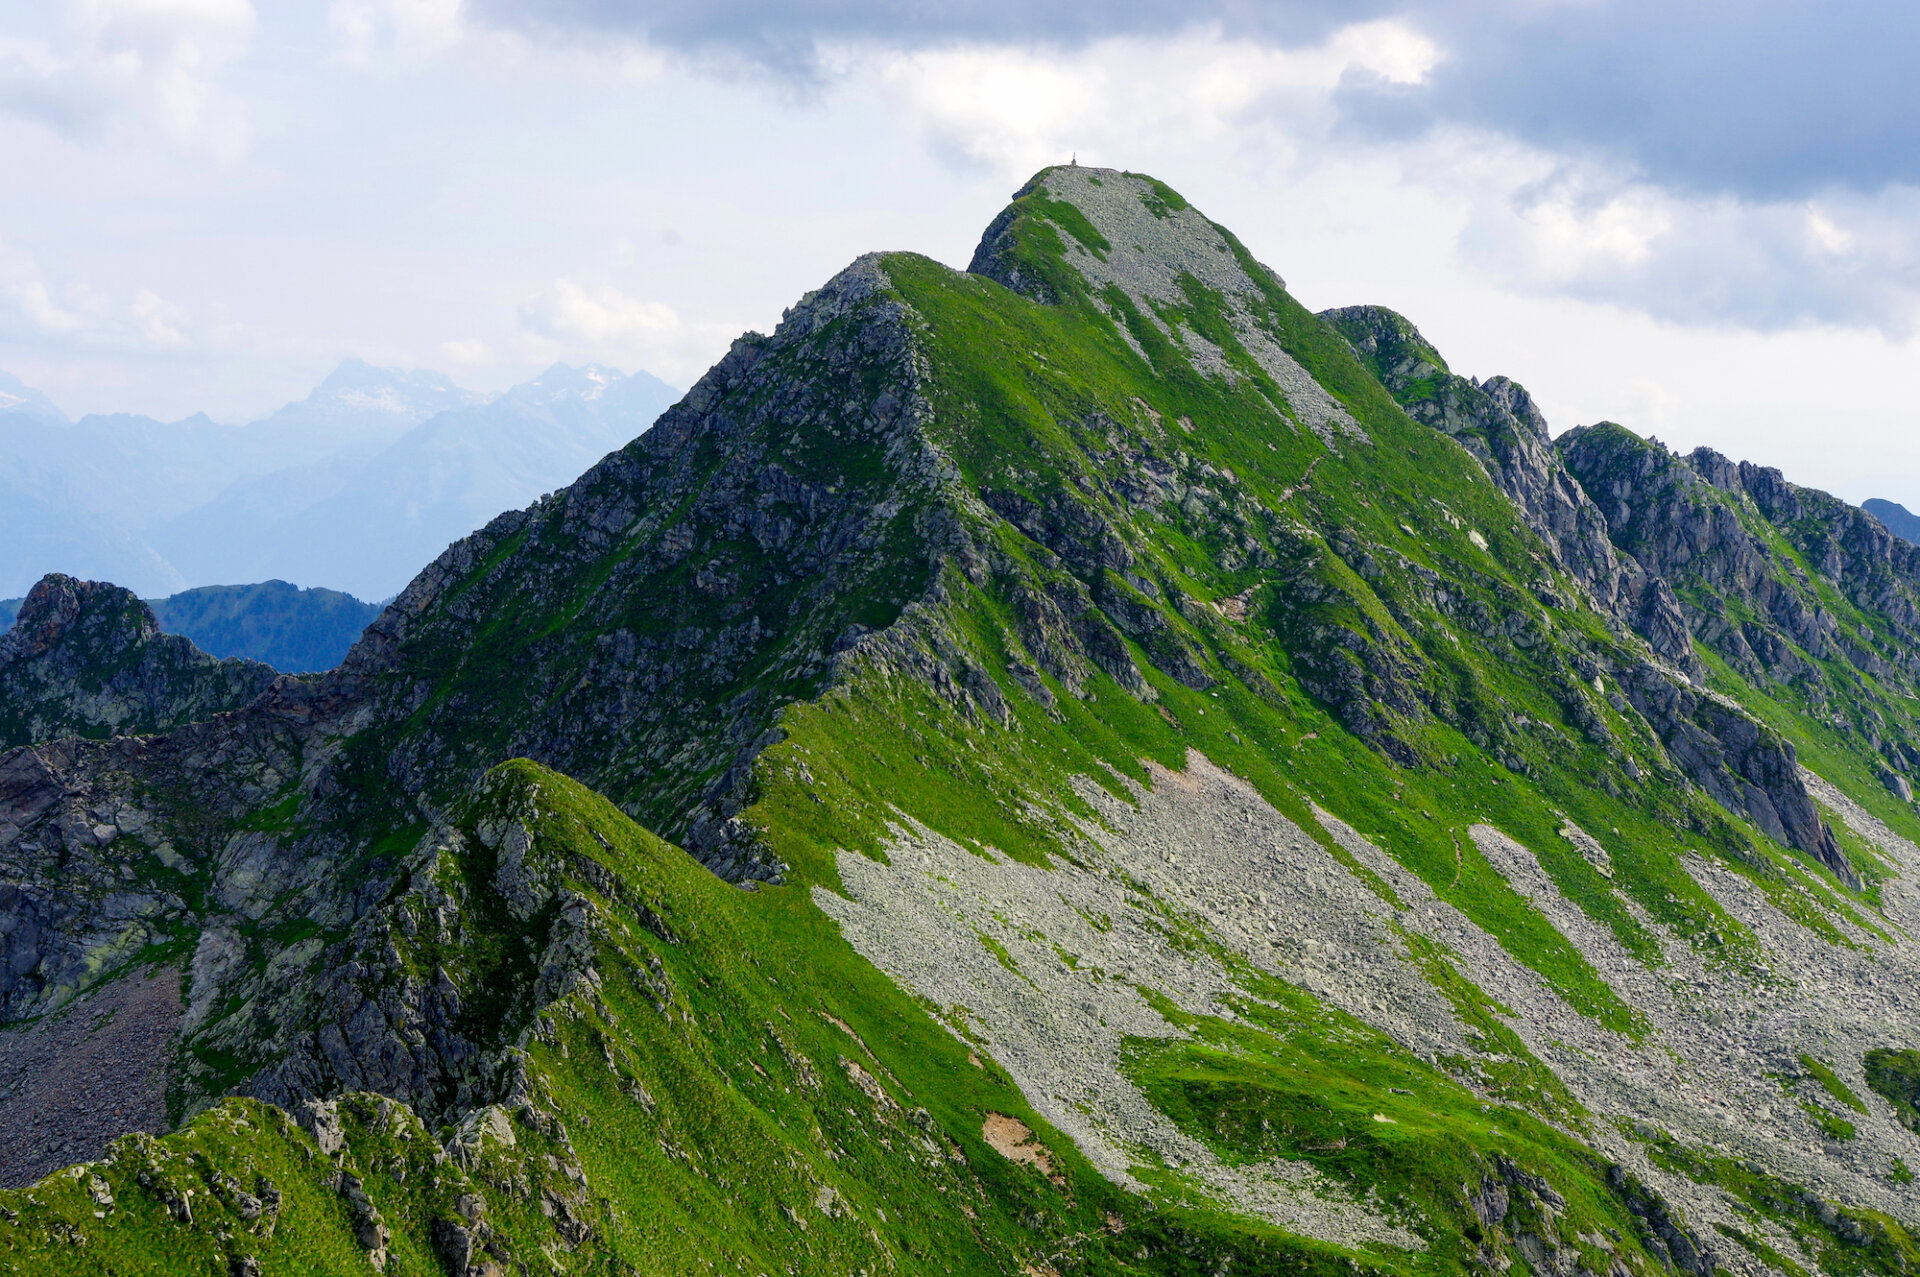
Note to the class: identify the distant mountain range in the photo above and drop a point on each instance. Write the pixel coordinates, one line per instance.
(294, 630)
(1897, 519)
(354, 487)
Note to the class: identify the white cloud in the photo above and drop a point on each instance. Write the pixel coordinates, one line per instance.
(603, 317)
(407, 29)
(1550, 227)
(1566, 229)
(1014, 110)
(134, 64)
(159, 323)
(1532, 220)
(29, 298)
(401, 34)
(569, 321)
(76, 316)
(472, 353)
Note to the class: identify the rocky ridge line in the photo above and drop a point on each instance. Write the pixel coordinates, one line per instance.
(1741, 763)
(85, 658)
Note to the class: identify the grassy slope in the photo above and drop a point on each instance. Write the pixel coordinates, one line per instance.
(751, 1096)
(999, 392)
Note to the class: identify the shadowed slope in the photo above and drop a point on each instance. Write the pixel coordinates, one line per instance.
(88, 659)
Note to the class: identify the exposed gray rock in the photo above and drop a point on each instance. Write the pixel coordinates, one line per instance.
(1743, 764)
(86, 658)
(368, 1228)
(321, 1120)
(75, 1081)
(1498, 422)
(1156, 249)
(1203, 854)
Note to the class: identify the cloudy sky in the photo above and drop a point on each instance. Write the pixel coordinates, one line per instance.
(1701, 220)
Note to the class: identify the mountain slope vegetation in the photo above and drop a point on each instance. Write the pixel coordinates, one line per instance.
(1075, 765)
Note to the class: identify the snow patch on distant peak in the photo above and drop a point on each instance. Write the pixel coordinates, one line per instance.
(382, 399)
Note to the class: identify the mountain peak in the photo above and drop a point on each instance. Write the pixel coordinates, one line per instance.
(58, 603)
(359, 386)
(363, 406)
(1133, 249)
(1082, 231)
(584, 383)
(18, 398)
(1388, 343)
(87, 658)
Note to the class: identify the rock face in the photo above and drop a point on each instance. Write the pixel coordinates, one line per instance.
(1498, 423)
(1797, 591)
(1744, 765)
(712, 572)
(88, 659)
(1251, 759)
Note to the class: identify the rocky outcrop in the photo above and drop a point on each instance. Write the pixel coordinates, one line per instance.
(1498, 422)
(432, 1030)
(1666, 1236)
(707, 572)
(85, 658)
(1744, 765)
(1789, 585)
(1645, 529)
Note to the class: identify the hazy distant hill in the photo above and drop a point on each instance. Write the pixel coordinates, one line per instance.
(159, 506)
(294, 630)
(369, 525)
(1899, 520)
(16, 397)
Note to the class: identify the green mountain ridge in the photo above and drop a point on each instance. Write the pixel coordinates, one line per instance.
(1213, 791)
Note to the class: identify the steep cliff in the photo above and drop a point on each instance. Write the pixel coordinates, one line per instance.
(1498, 423)
(1810, 604)
(1746, 766)
(88, 659)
